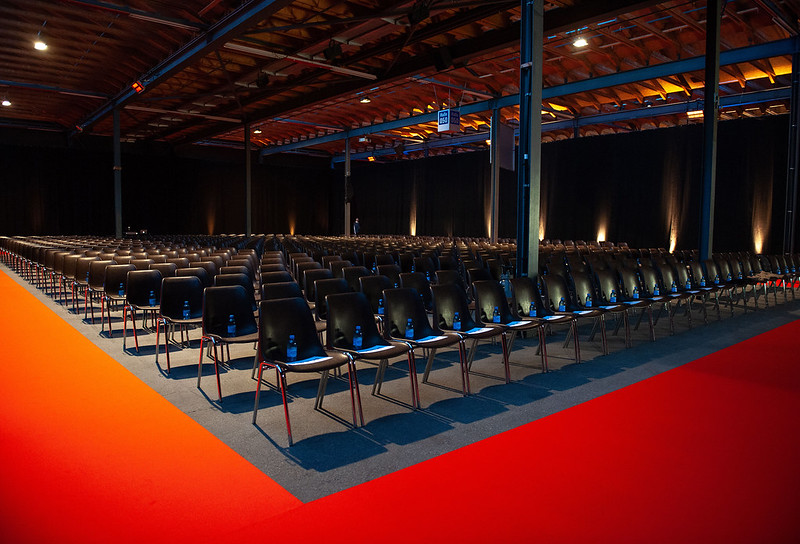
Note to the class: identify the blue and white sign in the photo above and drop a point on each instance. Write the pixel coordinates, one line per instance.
(449, 121)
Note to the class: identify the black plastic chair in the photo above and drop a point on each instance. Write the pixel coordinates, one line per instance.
(143, 294)
(281, 319)
(281, 289)
(391, 271)
(337, 267)
(419, 282)
(346, 311)
(201, 273)
(491, 309)
(276, 277)
(227, 319)
(403, 307)
(181, 305)
(373, 287)
(352, 273)
(167, 270)
(324, 288)
(311, 275)
(238, 279)
(114, 291)
(95, 284)
(451, 314)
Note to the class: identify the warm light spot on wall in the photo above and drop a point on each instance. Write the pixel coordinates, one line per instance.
(601, 233)
(291, 223)
(673, 241)
(758, 240)
(541, 227)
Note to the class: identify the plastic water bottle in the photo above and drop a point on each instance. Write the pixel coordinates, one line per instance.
(410, 329)
(152, 300)
(674, 287)
(291, 349)
(729, 276)
(186, 311)
(716, 279)
(380, 307)
(374, 268)
(702, 281)
(613, 296)
(358, 338)
(532, 310)
(496, 315)
(121, 290)
(231, 325)
(635, 293)
(456, 322)
(688, 283)
(396, 285)
(413, 267)
(562, 306)
(428, 275)
(740, 274)
(655, 290)
(588, 300)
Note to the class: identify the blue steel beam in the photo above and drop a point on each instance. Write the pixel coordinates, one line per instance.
(758, 97)
(226, 29)
(51, 88)
(745, 54)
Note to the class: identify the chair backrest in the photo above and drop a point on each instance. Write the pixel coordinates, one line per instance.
(219, 303)
(282, 317)
(608, 285)
(122, 259)
(70, 266)
(554, 289)
(311, 275)
(276, 277)
(489, 294)
(324, 288)
(372, 287)
(391, 271)
(337, 266)
(352, 273)
(275, 267)
(176, 291)
(237, 270)
(631, 284)
(167, 270)
(82, 269)
(383, 258)
(478, 274)
(449, 276)
(218, 261)
(199, 272)
(418, 282)
(209, 267)
(282, 289)
(142, 264)
(180, 262)
(238, 279)
(525, 292)
(425, 266)
(345, 312)
(402, 305)
(302, 267)
(327, 259)
(140, 284)
(97, 273)
(449, 299)
(117, 278)
(651, 280)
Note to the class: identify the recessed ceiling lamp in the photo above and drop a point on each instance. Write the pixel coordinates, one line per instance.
(580, 42)
(257, 131)
(365, 100)
(40, 44)
(6, 102)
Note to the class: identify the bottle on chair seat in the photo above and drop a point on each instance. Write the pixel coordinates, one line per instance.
(291, 349)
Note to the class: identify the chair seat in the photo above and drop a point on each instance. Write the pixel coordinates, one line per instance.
(315, 364)
(594, 312)
(190, 321)
(437, 341)
(391, 349)
(479, 333)
(243, 339)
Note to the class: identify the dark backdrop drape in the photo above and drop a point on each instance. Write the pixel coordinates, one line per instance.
(640, 187)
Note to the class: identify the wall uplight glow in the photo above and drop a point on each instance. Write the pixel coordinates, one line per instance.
(601, 233)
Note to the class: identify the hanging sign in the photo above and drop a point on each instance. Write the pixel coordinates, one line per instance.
(449, 121)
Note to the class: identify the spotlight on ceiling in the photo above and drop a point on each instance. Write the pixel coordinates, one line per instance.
(580, 42)
(257, 131)
(6, 102)
(365, 100)
(333, 51)
(40, 44)
(137, 86)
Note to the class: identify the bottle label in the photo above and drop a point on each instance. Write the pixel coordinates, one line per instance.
(380, 310)
(457, 325)
(410, 334)
(358, 341)
(231, 330)
(291, 353)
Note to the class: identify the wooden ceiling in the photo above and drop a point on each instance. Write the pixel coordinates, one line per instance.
(300, 71)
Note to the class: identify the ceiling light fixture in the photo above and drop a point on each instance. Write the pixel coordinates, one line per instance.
(39, 44)
(365, 100)
(580, 42)
(257, 131)
(6, 102)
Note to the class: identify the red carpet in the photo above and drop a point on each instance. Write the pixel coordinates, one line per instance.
(707, 452)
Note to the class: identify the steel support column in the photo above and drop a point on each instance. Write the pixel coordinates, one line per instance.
(117, 177)
(790, 221)
(529, 168)
(494, 159)
(348, 230)
(248, 194)
(710, 121)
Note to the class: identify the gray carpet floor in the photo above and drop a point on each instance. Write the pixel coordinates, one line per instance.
(330, 455)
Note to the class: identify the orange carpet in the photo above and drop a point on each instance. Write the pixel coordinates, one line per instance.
(707, 452)
(89, 453)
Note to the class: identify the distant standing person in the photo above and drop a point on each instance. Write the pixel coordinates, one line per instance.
(356, 227)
